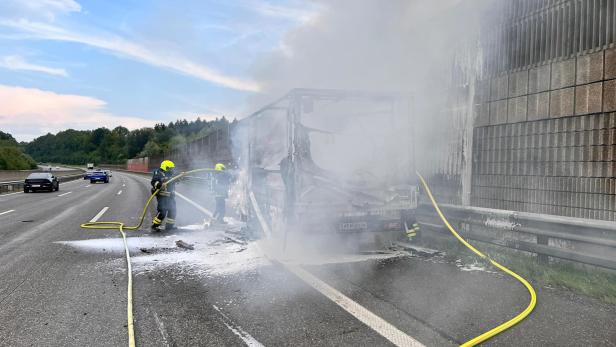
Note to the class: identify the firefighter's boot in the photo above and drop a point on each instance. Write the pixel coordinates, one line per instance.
(156, 225)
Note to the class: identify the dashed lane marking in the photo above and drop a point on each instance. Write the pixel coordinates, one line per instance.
(5, 212)
(99, 215)
(67, 193)
(120, 192)
(237, 330)
(89, 185)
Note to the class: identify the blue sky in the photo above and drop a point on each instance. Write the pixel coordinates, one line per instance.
(85, 63)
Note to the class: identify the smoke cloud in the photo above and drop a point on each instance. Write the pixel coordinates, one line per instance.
(414, 48)
(397, 45)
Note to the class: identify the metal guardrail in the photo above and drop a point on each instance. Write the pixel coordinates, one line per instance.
(16, 186)
(580, 240)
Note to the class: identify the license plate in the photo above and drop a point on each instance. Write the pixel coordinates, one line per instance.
(36, 185)
(353, 226)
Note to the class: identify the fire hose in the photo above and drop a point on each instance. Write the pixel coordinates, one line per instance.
(533, 296)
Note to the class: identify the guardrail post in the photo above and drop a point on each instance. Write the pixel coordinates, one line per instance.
(542, 258)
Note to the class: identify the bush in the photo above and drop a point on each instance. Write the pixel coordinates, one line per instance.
(11, 158)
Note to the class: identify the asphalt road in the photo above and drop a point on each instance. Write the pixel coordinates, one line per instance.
(65, 286)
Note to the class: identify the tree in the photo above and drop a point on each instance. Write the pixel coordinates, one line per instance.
(151, 149)
(115, 146)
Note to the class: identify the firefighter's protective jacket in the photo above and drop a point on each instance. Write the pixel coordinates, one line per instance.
(159, 177)
(222, 181)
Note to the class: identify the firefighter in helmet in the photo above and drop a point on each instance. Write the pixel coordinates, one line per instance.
(165, 196)
(222, 180)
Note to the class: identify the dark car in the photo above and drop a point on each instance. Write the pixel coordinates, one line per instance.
(41, 181)
(99, 176)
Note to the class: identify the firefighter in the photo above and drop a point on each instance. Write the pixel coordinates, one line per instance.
(222, 180)
(165, 196)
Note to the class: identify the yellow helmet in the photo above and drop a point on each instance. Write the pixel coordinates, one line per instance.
(167, 164)
(220, 167)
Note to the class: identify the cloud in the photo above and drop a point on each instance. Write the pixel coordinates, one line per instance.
(27, 113)
(44, 9)
(131, 50)
(297, 14)
(14, 62)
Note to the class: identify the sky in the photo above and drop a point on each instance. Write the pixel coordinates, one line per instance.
(84, 64)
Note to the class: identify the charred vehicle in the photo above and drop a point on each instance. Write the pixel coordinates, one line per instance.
(330, 162)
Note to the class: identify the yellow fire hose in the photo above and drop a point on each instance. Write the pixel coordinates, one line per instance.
(119, 226)
(533, 296)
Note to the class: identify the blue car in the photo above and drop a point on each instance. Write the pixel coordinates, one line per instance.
(99, 176)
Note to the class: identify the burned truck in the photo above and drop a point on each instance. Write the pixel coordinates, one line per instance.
(323, 163)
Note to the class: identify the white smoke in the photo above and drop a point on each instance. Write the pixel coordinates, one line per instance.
(400, 45)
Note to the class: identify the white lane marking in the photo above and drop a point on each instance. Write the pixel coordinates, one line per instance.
(5, 212)
(123, 185)
(89, 185)
(237, 330)
(10, 194)
(120, 192)
(67, 193)
(197, 206)
(378, 324)
(99, 215)
(264, 225)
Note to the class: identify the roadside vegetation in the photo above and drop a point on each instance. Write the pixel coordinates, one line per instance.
(12, 156)
(594, 282)
(115, 146)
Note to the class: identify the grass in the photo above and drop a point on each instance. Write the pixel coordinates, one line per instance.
(592, 282)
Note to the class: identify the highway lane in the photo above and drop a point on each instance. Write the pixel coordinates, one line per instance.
(48, 289)
(74, 293)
